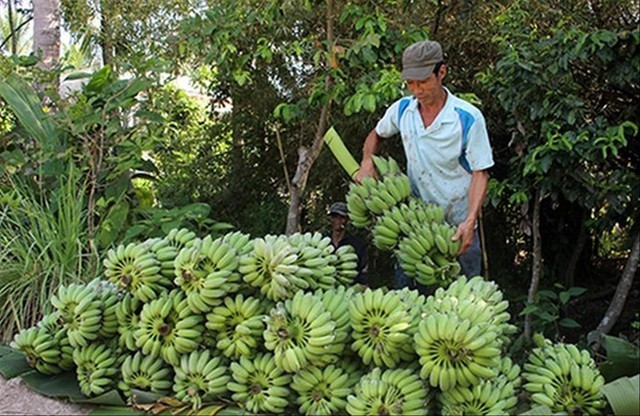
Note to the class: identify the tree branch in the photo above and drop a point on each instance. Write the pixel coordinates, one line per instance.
(536, 272)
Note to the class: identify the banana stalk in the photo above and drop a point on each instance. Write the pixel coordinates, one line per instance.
(341, 153)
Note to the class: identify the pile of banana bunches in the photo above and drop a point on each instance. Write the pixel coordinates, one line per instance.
(275, 325)
(414, 230)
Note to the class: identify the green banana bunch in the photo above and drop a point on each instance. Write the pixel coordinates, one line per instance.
(346, 265)
(168, 328)
(386, 166)
(180, 238)
(478, 300)
(336, 302)
(428, 255)
(80, 312)
(259, 385)
(200, 376)
(299, 331)
(322, 391)
(134, 268)
(145, 372)
(203, 271)
(454, 352)
(380, 325)
(271, 267)
(96, 366)
(128, 316)
(564, 378)
(389, 392)
(237, 325)
(489, 397)
(51, 322)
(417, 312)
(109, 297)
(243, 245)
(315, 259)
(165, 252)
(372, 197)
(40, 347)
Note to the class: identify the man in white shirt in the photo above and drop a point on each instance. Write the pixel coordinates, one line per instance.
(446, 143)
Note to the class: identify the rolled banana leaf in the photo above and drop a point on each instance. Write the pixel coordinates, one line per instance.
(341, 153)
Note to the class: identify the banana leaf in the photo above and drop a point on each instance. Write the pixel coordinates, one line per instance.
(623, 358)
(540, 410)
(623, 395)
(65, 386)
(115, 411)
(13, 364)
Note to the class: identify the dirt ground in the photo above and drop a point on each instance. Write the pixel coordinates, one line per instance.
(18, 399)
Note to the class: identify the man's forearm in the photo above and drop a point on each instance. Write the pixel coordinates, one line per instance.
(371, 144)
(477, 193)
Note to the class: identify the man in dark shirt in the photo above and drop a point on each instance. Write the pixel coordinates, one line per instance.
(339, 237)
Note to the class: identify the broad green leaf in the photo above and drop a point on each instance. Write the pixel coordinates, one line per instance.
(540, 410)
(623, 358)
(141, 396)
(623, 395)
(197, 209)
(569, 323)
(59, 385)
(110, 398)
(13, 364)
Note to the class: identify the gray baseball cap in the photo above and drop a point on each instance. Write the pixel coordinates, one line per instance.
(339, 208)
(419, 60)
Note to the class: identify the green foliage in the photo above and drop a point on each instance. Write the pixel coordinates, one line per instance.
(623, 358)
(546, 310)
(44, 244)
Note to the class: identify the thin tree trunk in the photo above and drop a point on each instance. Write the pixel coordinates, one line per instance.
(569, 276)
(46, 32)
(105, 33)
(12, 29)
(622, 291)
(308, 156)
(536, 272)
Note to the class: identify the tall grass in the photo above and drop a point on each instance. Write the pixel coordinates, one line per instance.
(43, 244)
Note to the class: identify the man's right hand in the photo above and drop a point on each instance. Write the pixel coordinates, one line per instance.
(367, 169)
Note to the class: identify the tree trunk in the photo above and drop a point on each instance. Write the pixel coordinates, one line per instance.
(12, 29)
(105, 33)
(569, 276)
(622, 291)
(46, 32)
(308, 156)
(306, 159)
(536, 272)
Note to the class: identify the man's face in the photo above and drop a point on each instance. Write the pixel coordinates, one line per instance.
(338, 222)
(428, 89)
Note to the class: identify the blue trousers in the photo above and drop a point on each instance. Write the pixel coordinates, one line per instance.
(470, 261)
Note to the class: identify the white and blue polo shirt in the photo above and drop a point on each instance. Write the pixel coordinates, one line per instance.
(441, 157)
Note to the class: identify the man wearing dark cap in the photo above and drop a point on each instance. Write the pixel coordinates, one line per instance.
(339, 237)
(446, 143)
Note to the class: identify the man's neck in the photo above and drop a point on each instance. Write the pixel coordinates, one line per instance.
(337, 236)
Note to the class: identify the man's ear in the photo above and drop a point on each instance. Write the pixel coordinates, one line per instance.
(442, 72)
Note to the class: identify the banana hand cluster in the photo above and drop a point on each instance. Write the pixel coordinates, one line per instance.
(40, 347)
(136, 269)
(346, 265)
(380, 327)
(372, 197)
(200, 376)
(336, 302)
(259, 385)
(96, 366)
(237, 325)
(564, 378)
(389, 392)
(168, 328)
(80, 312)
(454, 352)
(489, 397)
(271, 267)
(145, 372)
(322, 391)
(299, 331)
(128, 316)
(428, 254)
(203, 271)
(315, 259)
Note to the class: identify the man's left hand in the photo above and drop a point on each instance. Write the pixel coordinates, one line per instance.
(464, 232)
